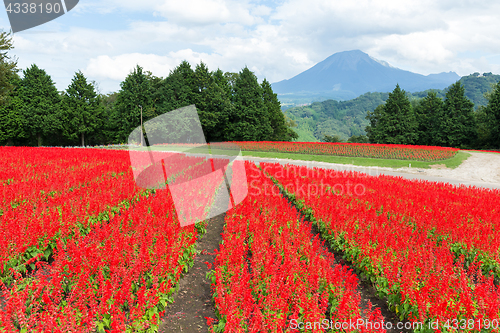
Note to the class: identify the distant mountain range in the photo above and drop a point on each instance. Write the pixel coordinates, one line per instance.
(347, 118)
(347, 75)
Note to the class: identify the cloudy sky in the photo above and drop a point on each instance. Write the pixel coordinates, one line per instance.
(275, 39)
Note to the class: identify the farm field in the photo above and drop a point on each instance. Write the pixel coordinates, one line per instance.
(84, 248)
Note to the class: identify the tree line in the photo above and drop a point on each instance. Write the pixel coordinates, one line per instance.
(450, 121)
(231, 106)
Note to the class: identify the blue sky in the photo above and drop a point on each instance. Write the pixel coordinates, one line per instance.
(275, 39)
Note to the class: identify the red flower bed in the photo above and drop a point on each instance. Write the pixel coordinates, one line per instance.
(418, 273)
(400, 152)
(121, 274)
(118, 250)
(272, 275)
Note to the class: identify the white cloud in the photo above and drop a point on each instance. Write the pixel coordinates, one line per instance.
(195, 11)
(118, 67)
(424, 36)
(276, 41)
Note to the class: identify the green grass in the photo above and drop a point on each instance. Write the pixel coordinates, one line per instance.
(451, 163)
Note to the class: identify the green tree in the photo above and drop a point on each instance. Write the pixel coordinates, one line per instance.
(110, 126)
(178, 89)
(291, 135)
(83, 111)
(212, 102)
(427, 111)
(492, 116)
(136, 90)
(8, 67)
(231, 78)
(249, 120)
(280, 130)
(41, 104)
(484, 123)
(457, 124)
(358, 139)
(12, 120)
(375, 131)
(394, 122)
(332, 138)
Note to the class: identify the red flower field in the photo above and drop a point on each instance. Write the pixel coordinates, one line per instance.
(83, 248)
(399, 152)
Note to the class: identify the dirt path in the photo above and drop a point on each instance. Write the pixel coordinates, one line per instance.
(193, 301)
(480, 169)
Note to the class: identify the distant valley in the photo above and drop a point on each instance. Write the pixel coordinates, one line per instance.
(347, 118)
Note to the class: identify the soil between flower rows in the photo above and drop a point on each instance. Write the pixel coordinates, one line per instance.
(193, 302)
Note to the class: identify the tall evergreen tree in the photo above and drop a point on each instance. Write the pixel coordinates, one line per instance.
(41, 104)
(12, 121)
(223, 82)
(280, 132)
(178, 89)
(136, 91)
(457, 123)
(8, 67)
(249, 120)
(394, 122)
(375, 131)
(484, 121)
(492, 112)
(426, 111)
(83, 111)
(107, 134)
(212, 102)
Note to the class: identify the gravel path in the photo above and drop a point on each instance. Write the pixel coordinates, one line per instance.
(483, 167)
(480, 169)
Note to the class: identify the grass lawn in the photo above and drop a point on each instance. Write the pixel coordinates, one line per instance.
(451, 163)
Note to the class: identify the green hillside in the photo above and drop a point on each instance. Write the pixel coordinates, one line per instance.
(347, 118)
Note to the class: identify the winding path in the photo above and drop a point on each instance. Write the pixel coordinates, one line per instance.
(480, 170)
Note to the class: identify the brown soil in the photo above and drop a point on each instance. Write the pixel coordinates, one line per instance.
(193, 301)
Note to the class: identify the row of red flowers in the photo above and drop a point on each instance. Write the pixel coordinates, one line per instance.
(421, 278)
(467, 217)
(273, 275)
(29, 176)
(387, 151)
(118, 277)
(118, 250)
(46, 205)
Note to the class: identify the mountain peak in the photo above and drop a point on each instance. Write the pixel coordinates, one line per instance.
(346, 60)
(349, 74)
